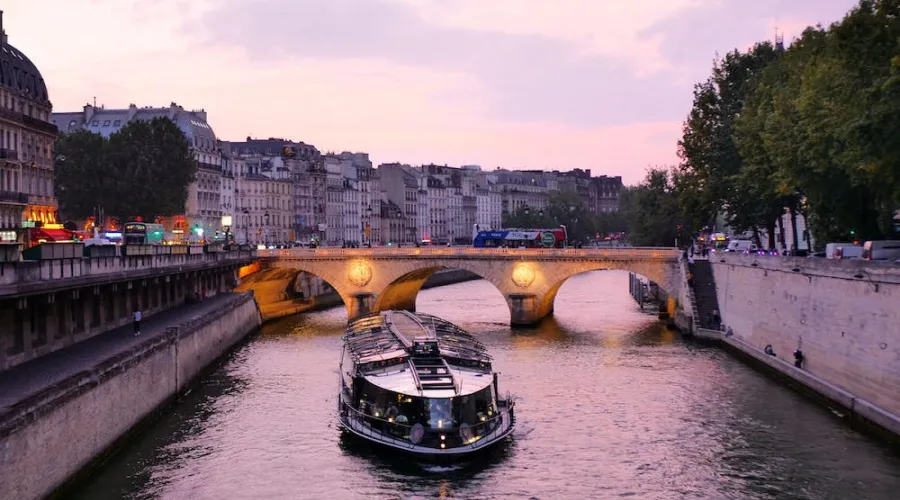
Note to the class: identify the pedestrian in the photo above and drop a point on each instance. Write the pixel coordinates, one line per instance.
(137, 322)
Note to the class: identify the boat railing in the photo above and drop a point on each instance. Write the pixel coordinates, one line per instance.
(398, 434)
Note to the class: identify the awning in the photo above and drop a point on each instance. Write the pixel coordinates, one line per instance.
(51, 234)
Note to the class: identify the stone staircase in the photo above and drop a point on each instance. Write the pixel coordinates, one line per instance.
(705, 298)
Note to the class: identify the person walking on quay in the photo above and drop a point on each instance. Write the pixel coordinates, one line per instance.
(137, 322)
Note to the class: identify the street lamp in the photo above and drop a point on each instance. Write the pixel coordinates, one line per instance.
(266, 230)
(226, 224)
(246, 226)
(368, 227)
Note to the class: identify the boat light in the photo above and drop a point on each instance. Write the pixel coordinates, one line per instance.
(440, 423)
(443, 437)
(443, 445)
(390, 419)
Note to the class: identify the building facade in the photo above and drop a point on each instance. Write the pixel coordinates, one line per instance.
(203, 207)
(27, 137)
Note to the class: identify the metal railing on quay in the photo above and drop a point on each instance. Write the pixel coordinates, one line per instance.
(661, 253)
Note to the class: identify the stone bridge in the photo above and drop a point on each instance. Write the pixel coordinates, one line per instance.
(376, 279)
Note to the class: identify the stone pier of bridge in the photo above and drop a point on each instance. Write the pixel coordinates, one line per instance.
(378, 279)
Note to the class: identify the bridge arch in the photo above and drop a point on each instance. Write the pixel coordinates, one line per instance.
(548, 300)
(403, 292)
(370, 280)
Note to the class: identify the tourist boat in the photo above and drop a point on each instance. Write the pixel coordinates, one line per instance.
(419, 384)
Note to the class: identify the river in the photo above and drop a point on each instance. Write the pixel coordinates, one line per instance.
(609, 404)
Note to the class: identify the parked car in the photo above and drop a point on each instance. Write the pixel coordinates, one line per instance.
(843, 251)
(881, 250)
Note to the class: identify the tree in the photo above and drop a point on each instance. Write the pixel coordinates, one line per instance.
(143, 170)
(81, 173)
(653, 212)
(564, 208)
(709, 179)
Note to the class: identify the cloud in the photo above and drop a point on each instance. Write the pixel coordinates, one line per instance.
(521, 77)
(691, 37)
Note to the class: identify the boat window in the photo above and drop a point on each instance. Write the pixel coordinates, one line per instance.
(474, 408)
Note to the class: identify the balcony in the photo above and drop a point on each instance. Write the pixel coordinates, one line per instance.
(209, 166)
(9, 154)
(13, 198)
(28, 121)
(36, 124)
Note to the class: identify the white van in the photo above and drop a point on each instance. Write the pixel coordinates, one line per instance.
(843, 251)
(740, 246)
(881, 250)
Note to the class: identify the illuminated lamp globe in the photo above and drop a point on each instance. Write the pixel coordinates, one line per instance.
(523, 275)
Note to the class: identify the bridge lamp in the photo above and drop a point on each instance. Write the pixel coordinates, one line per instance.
(523, 275)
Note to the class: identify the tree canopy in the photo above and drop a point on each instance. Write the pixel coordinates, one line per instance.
(652, 211)
(565, 208)
(142, 170)
(812, 128)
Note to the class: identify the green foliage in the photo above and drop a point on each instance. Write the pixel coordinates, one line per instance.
(653, 213)
(712, 176)
(812, 129)
(143, 170)
(565, 208)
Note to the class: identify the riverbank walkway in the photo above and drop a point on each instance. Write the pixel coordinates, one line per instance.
(30, 378)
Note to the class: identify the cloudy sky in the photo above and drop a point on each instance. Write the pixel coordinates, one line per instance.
(597, 84)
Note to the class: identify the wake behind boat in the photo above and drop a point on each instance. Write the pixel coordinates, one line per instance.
(419, 384)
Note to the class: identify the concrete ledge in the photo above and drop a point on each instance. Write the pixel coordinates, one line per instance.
(857, 408)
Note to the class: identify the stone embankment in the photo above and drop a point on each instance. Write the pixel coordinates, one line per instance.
(62, 412)
(842, 317)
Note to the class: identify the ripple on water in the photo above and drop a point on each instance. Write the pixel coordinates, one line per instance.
(610, 405)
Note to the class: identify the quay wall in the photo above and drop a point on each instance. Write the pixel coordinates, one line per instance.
(842, 315)
(51, 437)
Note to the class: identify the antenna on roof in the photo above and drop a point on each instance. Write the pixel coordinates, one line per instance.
(95, 101)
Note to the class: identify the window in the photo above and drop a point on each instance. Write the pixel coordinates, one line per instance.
(117, 123)
(95, 123)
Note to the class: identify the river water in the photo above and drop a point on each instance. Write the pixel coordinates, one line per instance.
(609, 404)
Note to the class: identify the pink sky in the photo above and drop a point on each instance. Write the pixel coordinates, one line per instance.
(511, 83)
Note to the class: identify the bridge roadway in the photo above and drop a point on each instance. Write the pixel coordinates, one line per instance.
(376, 279)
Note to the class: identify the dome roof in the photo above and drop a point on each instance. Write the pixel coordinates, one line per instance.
(19, 74)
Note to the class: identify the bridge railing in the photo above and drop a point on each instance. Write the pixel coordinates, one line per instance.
(33, 271)
(631, 252)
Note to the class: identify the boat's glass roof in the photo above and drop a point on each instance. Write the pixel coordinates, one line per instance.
(386, 336)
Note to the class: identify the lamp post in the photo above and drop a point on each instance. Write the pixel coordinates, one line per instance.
(266, 230)
(368, 228)
(246, 226)
(226, 225)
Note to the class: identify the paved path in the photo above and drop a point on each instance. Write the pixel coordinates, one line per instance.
(33, 376)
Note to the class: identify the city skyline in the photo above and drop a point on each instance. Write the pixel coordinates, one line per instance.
(410, 80)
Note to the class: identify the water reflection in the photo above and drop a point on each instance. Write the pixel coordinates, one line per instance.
(610, 403)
